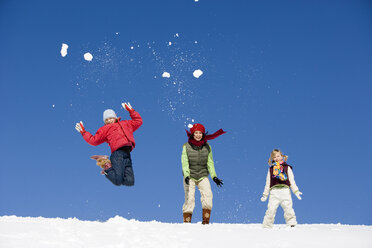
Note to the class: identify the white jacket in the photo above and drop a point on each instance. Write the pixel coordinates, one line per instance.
(290, 178)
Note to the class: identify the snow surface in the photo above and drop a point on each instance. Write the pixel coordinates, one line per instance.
(88, 56)
(22, 232)
(197, 73)
(64, 49)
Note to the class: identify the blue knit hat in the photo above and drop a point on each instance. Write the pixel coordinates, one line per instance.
(109, 113)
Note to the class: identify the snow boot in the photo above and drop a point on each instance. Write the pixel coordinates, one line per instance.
(103, 161)
(187, 217)
(206, 216)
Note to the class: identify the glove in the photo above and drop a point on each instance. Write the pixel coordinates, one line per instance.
(128, 107)
(219, 182)
(264, 198)
(298, 195)
(187, 180)
(80, 127)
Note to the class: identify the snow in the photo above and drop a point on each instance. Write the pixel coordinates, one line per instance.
(39, 232)
(190, 125)
(197, 73)
(88, 56)
(64, 49)
(166, 75)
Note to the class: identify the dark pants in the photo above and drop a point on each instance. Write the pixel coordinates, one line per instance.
(121, 172)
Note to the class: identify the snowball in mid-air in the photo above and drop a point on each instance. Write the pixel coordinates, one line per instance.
(166, 75)
(64, 49)
(88, 56)
(170, 43)
(197, 73)
(190, 125)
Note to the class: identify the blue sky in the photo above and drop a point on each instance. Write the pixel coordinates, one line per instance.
(294, 75)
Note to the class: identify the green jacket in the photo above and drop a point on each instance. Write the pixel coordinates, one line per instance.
(186, 165)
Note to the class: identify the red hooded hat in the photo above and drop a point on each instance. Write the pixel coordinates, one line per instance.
(197, 127)
(201, 128)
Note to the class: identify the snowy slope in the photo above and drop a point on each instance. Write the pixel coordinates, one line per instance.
(22, 232)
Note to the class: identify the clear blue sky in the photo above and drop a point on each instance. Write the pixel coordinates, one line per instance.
(294, 75)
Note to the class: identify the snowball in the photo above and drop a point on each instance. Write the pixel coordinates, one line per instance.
(177, 35)
(64, 49)
(166, 75)
(88, 56)
(132, 47)
(190, 126)
(170, 43)
(197, 73)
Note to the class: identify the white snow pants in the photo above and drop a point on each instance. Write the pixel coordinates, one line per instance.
(205, 193)
(282, 197)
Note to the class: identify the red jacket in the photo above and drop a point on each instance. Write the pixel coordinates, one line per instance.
(117, 134)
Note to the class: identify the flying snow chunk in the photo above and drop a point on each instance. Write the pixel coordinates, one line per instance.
(190, 125)
(88, 56)
(170, 43)
(196, 0)
(64, 49)
(166, 75)
(197, 73)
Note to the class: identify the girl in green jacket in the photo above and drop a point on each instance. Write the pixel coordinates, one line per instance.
(197, 164)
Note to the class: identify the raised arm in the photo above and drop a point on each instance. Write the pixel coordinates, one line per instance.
(95, 140)
(136, 121)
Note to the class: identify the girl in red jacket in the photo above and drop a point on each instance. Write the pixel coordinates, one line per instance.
(119, 135)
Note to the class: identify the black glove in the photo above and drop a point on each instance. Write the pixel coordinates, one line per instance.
(219, 182)
(187, 180)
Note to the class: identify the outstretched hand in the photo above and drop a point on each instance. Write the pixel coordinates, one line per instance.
(264, 198)
(80, 127)
(298, 195)
(218, 181)
(127, 106)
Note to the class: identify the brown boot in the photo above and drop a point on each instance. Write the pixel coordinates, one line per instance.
(206, 216)
(187, 217)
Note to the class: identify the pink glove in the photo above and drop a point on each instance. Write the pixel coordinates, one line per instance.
(80, 127)
(128, 107)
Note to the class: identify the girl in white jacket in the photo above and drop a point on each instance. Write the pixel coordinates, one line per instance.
(278, 181)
